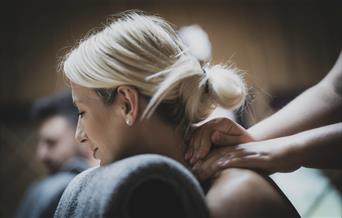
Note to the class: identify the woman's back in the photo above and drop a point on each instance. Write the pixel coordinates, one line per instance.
(245, 193)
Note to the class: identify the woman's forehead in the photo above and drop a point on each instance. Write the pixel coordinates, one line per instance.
(82, 94)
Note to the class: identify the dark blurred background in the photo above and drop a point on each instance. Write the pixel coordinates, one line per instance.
(284, 46)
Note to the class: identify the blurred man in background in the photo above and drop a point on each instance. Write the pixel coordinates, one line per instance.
(58, 150)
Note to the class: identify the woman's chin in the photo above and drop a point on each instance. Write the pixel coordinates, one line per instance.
(104, 161)
(95, 151)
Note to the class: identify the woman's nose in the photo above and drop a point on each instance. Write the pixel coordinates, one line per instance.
(80, 135)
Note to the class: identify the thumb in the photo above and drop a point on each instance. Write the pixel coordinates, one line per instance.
(222, 139)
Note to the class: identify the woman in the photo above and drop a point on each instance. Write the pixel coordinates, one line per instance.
(138, 90)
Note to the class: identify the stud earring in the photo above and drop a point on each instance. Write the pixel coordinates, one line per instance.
(128, 121)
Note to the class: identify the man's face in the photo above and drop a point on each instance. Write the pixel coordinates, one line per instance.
(56, 143)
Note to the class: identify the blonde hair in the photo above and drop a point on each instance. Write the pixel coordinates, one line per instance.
(144, 51)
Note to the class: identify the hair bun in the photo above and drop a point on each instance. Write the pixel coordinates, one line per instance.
(209, 87)
(226, 86)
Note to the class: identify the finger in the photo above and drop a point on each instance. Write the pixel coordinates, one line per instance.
(219, 138)
(202, 151)
(204, 147)
(229, 155)
(197, 144)
(254, 161)
(189, 150)
(194, 142)
(232, 128)
(222, 124)
(188, 153)
(236, 129)
(207, 171)
(213, 163)
(226, 125)
(208, 167)
(201, 142)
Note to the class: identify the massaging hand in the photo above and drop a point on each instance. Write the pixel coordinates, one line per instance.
(275, 155)
(221, 131)
(240, 150)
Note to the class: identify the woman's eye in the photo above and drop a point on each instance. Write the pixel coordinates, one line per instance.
(80, 114)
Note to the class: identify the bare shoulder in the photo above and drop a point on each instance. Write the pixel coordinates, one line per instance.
(245, 193)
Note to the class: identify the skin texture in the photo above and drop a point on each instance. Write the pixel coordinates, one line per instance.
(286, 154)
(244, 193)
(112, 137)
(114, 131)
(95, 125)
(300, 115)
(295, 136)
(200, 145)
(56, 143)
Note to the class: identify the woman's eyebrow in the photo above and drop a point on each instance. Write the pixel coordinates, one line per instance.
(84, 100)
(76, 101)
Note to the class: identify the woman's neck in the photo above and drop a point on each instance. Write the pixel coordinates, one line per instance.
(161, 138)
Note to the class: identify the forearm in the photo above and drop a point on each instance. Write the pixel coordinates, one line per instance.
(320, 147)
(318, 106)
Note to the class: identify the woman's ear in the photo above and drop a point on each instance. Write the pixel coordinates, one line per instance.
(129, 103)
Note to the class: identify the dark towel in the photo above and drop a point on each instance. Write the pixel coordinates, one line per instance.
(146, 185)
(42, 198)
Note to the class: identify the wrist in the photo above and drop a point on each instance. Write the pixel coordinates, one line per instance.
(297, 149)
(254, 135)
